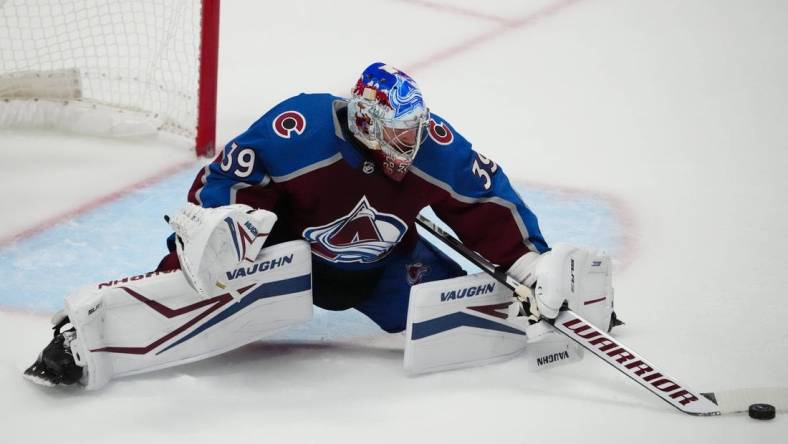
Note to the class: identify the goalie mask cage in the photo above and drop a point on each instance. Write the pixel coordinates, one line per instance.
(107, 67)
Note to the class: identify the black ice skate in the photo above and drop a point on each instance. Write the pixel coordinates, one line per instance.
(55, 365)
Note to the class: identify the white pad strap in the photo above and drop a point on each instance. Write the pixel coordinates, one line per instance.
(548, 348)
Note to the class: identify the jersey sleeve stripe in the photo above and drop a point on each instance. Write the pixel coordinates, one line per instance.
(337, 105)
(308, 169)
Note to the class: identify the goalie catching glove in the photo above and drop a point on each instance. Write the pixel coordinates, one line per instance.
(578, 276)
(212, 241)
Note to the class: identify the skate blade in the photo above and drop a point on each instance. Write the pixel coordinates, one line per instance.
(36, 379)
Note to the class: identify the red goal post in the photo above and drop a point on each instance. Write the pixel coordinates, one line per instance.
(114, 68)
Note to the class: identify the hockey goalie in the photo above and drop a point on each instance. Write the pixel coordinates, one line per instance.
(315, 204)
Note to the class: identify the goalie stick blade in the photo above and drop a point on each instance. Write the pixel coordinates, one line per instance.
(739, 400)
(623, 359)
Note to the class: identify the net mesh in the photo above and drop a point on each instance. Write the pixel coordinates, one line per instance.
(139, 57)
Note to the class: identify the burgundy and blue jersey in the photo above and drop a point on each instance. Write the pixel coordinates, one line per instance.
(301, 161)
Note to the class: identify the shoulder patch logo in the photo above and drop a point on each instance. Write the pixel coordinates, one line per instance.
(289, 122)
(440, 133)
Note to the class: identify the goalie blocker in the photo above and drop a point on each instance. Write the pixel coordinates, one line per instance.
(158, 320)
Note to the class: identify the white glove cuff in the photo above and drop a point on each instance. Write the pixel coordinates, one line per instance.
(524, 269)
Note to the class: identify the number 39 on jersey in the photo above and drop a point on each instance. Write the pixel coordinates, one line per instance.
(239, 160)
(484, 168)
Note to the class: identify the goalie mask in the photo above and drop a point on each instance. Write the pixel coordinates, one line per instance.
(386, 113)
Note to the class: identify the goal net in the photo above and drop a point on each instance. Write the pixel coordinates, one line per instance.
(108, 67)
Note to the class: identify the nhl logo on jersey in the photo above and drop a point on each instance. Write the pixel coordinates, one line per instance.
(440, 133)
(289, 122)
(364, 235)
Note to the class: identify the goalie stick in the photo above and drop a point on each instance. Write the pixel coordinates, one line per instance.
(621, 357)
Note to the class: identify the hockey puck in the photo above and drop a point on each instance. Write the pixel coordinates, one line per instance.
(761, 411)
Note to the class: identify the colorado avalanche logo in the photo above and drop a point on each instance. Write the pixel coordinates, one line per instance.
(365, 235)
(416, 272)
(289, 122)
(405, 97)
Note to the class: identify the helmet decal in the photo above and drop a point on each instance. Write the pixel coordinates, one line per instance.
(406, 96)
(386, 112)
(289, 122)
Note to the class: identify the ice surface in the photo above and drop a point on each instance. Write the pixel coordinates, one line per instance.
(656, 129)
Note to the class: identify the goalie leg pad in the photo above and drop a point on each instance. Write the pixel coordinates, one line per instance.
(474, 320)
(461, 322)
(158, 320)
